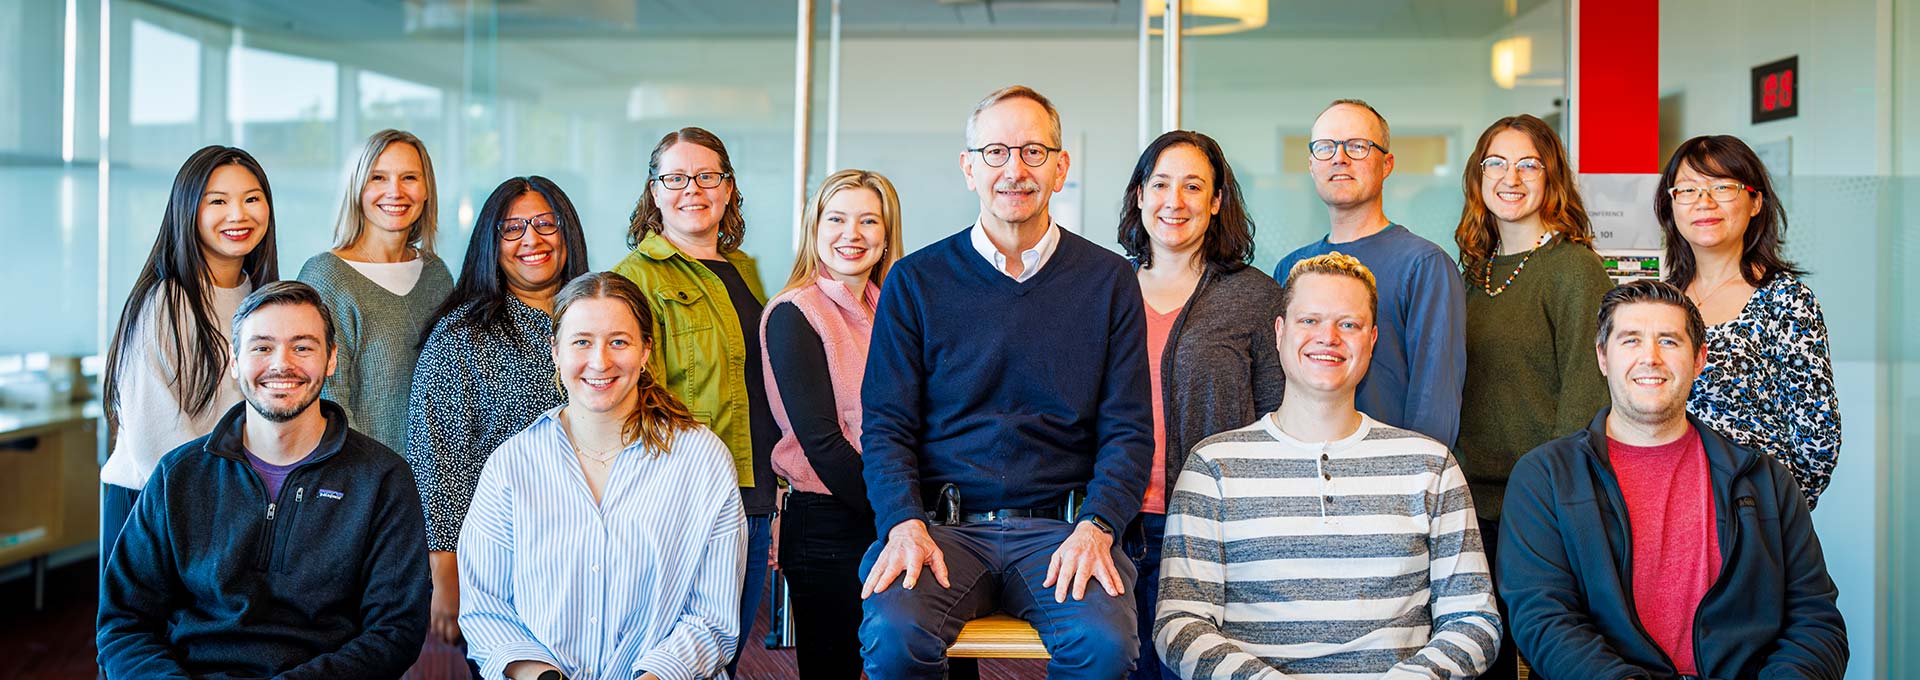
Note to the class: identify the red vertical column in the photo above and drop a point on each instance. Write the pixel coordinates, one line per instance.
(1619, 86)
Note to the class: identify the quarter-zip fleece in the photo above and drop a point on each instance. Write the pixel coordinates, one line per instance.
(212, 579)
(1566, 570)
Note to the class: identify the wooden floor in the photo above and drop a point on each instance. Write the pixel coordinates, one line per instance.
(57, 644)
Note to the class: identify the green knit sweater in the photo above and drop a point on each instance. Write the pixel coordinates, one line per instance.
(1531, 371)
(378, 337)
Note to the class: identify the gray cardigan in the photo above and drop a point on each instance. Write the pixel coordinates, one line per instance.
(1221, 368)
(378, 336)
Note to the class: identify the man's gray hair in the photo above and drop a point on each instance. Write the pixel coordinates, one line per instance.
(1386, 133)
(1015, 92)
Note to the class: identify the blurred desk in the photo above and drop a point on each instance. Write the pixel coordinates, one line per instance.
(49, 483)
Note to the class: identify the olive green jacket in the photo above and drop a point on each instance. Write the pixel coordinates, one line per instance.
(698, 345)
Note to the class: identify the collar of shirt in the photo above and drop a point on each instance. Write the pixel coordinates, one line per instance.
(1031, 260)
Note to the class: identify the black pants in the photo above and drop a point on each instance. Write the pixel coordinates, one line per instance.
(821, 542)
(1505, 665)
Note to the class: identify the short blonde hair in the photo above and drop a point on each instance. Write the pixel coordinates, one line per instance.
(1015, 92)
(806, 264)
(1335, 263)
(352, 221)
(1386, 133)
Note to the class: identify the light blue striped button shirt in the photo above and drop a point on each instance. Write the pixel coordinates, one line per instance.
(647, 580)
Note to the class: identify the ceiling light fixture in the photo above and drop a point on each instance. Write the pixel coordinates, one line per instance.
(1212, 17)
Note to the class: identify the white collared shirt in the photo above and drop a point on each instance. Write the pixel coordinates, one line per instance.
(1031, 260)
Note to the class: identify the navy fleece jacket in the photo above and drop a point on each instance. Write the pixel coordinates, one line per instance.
(210, 580)
(1566, 570)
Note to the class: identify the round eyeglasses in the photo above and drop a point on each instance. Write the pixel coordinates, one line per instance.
(1495, 167)
(543, 224)
(996, 155)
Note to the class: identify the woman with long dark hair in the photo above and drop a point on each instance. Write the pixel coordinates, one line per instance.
(166, 378)
(606, 539)
(484, 371)
(1210, 328)
(382, 281)
(1533, 302)
(686, 233)
(815, 336)
(1768, 382)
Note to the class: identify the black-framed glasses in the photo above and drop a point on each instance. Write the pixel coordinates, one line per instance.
(544, 224)
(1721, 192)
(706, 180)
(1495, 167)
(1357, 148)
(996, 155)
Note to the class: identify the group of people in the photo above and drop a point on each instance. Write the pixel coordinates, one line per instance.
(1374, 462)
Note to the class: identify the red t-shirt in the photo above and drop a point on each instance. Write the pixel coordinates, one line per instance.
(1159, 326)
(1676, 544)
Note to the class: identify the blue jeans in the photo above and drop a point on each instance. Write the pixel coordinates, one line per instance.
(998, 566)
(759, 538)
(1143, 547)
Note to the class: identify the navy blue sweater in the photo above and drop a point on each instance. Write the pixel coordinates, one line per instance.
(1566, 570)
(1015, 392)
(211, 580)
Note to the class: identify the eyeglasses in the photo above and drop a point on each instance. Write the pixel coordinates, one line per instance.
(706, 180)
(996, 155)
(1722, 192)
(1495, 167)
(1357, 148)
(543, 224)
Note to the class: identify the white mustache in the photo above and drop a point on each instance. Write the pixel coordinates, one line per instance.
(1017, 185)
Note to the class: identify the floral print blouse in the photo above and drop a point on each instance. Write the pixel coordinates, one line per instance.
(1768, 382)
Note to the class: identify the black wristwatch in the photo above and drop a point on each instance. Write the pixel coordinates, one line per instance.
(1098, 523)
(552, 675)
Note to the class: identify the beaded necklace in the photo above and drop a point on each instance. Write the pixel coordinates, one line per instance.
(1486, 279)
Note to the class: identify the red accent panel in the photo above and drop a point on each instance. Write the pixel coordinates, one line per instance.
(1619, 96)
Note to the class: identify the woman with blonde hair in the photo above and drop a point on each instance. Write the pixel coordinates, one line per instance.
(814, 338)
(686, 233)
(1533, 302)
(382, 282)
(606, 539)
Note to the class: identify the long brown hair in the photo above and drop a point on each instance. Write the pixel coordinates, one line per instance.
(1228, 242)
(806, 264)
(1560, 208)
(659, 415)
(1726, 156)
(646, 215)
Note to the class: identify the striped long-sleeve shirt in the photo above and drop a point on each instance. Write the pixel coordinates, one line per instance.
(1346, 559)
(647, 579)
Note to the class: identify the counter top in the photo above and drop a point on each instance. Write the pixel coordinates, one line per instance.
(16, 422)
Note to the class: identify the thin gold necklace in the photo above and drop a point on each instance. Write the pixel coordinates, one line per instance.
(604, 457)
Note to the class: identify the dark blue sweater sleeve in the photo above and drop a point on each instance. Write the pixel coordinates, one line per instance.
(1436, 348)
(892, 413)
(139, 593)
(1546, 607)
(393, 614)
(1125, 422)
(1814, 643)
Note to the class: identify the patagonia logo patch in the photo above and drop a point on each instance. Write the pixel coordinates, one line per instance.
(330, 493)
(1745, 502)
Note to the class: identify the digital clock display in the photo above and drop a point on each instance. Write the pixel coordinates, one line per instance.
(1776, 90)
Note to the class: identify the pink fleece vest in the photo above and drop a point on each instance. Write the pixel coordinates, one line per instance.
(845, 325)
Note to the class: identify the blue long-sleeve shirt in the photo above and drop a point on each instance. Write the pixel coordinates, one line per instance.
(1420, 360)
(1015, 392)
(646, 579)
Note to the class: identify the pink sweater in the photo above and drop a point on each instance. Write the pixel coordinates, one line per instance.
(845, 325)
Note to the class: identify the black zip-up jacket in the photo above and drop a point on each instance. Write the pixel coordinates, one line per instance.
(210, 580)
(1566, 570)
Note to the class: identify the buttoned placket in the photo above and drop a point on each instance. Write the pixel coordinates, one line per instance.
(1324, 466)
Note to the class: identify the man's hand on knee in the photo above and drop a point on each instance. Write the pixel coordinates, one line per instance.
(1087, 553)
(909, 547)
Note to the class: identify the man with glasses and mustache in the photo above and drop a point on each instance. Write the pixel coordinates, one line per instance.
(1007, 423)
(282, 544)
(1650, 546)
(1420, 363)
